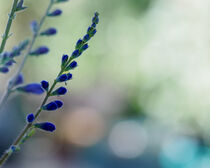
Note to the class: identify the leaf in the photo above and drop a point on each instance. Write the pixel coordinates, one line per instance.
(20, 6)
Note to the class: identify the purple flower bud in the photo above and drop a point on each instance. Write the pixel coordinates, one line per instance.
(40, 50)
(79, 43)
(62, 78)
(5, 55)
(89, 29)
(56, 12)
(45, 85)
(19, 80)
(49, 32)
(64, 60)
(59, 103)
(72, 65)
(50, 106)
(34, 26)
(20, 6)
(95, 18)
(54, 105)
(86, 38)
(30, 118)
(9, 63)
(84, 47)
(34, 88)
(76, 53)
(93, 32)
(69, 76)
(59, 91)
(4, 69)
(93, 25)
(46, 126)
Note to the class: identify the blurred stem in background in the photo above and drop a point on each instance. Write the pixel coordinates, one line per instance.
(9, 23)
(66, 65)
(35, 35)
(30, 125)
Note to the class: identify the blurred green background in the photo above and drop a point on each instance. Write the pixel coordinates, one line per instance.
(140, 97)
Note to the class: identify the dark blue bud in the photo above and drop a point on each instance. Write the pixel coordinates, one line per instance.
(76, 53)
(95, 18)
(49, 32)
(12, 54)
(86, 38)
(6, 55)
(45, 85)
(93, 32)
(53, 105)
(46, 126)
(4, 69)
(89, 29)
(15, 51)
(30, 118)
(19, 80)
(62, 78)
(34, 88)
(20, 3)
(79, 43)
(84, 47)
(72, 65)
(50, 106)
(64, 60)
(34, 26)
(69, 76)
(13, 148)
(40, 50)
(9, 63)
(56, 12)
(93, 25)
(59, 103)
(20, 6)
(59, 91)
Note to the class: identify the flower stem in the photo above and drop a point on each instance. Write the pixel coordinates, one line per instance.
(9, 23)
(35, 35)
(6, 155)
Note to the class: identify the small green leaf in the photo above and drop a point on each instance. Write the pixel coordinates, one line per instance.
(20, 6)
(20, 9)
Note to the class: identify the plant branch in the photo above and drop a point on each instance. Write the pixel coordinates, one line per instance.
(6, 155)
(9, 23)
(35, 35)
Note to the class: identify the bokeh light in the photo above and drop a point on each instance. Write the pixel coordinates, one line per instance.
(178, 152)
(128, 139)
(83, 126)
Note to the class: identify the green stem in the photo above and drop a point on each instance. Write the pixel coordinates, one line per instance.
(9, 23)
(6, 155)
(35, 35)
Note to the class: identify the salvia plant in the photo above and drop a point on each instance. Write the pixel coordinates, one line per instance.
(26, 48)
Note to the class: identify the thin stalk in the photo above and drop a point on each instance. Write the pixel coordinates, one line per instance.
(9, 23)
(35, 35)
(18, 140)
